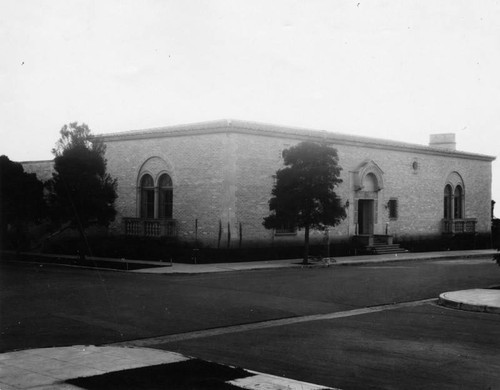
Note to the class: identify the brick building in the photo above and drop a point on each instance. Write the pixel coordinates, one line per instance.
(211, 183)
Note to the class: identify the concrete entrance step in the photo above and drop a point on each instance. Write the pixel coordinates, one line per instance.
(384, 249)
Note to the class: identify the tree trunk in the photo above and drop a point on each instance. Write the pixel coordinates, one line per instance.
(18, 239)
(306, 246)
(82, 246)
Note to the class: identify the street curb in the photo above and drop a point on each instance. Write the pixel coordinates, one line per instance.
(38, 258)
(373, 260)
(447, 300)
(273, 382)
(395, 260)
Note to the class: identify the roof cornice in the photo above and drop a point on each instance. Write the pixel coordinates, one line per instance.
(268, 130)
(36, 161)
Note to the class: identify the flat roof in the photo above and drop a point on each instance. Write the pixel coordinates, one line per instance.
(269, 130)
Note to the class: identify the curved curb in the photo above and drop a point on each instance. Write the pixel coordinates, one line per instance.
(478, 300)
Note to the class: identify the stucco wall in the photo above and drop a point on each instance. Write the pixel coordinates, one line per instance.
(419, 191)
(197, 167)
(42, 169)
(226, 178)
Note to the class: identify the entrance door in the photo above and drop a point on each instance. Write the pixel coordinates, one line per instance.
(365, 216)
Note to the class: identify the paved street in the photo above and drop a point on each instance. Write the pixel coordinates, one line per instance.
(417, 346)
(420, 347)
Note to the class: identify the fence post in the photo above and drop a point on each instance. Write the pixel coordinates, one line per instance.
(241, 235)
(220, 234)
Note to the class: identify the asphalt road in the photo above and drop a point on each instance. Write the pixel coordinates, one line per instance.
(422, 346)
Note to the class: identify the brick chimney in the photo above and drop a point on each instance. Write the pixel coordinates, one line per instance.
(443, 141)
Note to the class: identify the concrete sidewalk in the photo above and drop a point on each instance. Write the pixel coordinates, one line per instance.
(49, 368)
(158, 267)
(181, 268)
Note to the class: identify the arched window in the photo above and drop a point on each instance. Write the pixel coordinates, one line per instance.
(147, 197)
(447, 202)
(166, 196)
(458, 203)
(454, 197)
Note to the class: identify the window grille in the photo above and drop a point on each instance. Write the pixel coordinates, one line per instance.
(458, 202)
(447, 202)
(166, 196)
(393, 208)
(286, 228)
(147, 197)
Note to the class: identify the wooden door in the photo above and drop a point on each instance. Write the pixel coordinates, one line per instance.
(365, 216)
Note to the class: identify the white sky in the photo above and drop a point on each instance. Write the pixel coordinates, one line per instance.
(390, 69)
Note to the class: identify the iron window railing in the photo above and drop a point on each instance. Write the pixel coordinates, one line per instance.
(141, 227)
(459, 226)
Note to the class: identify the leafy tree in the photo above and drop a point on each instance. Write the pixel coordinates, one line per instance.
(303, 195)
(81, 192)
(21, 199)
